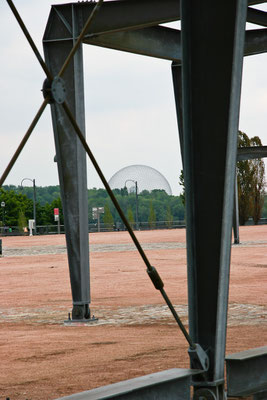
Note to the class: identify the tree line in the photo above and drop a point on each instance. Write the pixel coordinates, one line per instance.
(152, 206)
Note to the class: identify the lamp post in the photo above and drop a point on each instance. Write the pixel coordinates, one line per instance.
(96, 211)
(136, 201)
(34, 199)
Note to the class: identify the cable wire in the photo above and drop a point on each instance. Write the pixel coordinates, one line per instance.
(29, 38)
(23, 142)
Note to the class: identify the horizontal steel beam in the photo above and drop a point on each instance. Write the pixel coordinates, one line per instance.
(249, 153)
(159, 42)
(115, 16)
(255, 42)
(165, 43)
(247, 372)
(257, 16)
(123, 15)
(254, 2)
(166, 385)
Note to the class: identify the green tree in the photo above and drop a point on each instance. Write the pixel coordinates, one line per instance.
(22, 222)
(152, 216)
(108, 218)
(14, 203)
(258, 167)
(244, 182)
(169, 217)
(130, 216)
(181, 182)
(251, 182)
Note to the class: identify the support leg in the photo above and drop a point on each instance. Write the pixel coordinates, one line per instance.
(71, 160)
(177, 87)
(236, 215)
(212, 54)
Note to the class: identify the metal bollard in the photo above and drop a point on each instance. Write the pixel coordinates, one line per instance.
(0, 247)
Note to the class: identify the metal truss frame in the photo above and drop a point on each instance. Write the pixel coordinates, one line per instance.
(205, 62)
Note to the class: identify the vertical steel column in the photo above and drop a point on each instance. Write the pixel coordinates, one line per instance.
(71, 160)
(212, 54)
(177, 87)
(236, 214)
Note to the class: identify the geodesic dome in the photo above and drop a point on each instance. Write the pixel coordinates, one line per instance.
(147, 178)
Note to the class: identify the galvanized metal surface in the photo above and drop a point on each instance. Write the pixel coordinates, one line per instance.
(212, 65)
(127, 33)
(115, 16)
(166, 385)
(177, 88)
(249, 153)
(247, 372)
(71, 161)
(159, 42)
(256, 42)
(165, 43)
(236, 215)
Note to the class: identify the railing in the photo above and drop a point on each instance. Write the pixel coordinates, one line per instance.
(118, 226)
(53, 229)
(142, 226)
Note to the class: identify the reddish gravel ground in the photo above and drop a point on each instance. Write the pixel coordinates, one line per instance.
(43, 359)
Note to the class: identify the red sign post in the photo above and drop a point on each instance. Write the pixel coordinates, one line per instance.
(56, 217)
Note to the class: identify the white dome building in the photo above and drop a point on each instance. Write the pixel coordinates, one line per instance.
(147, 178)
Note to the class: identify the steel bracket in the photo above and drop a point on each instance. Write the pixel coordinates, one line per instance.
(55, 90)
(199, 358)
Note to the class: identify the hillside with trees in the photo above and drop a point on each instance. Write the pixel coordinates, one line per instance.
(153, 206)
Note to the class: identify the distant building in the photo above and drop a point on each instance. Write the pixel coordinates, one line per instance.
(147, 178)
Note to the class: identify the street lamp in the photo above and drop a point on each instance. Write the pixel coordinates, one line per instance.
(136, 201)
(34, 199)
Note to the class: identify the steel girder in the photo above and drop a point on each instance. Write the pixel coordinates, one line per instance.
(138, 31)
(257, 17)
(252, 365)
(249, 153)
(165, 385)
(212, 71)
(165, 43)
(71, 161)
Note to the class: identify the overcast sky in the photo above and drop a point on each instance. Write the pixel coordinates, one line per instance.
(130, 110)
